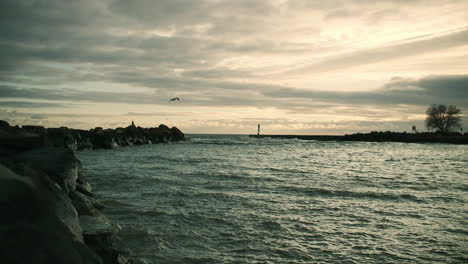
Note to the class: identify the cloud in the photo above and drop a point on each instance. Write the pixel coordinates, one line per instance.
(216, 74)
(384, 53)
(165, 12)
(78, 95)
(228, 54)
(449, 89)
(446, 89)
(202, 35)
(157, 113)
(37, 116)
(29, 104)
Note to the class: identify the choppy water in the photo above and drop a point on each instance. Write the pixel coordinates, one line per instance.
(234, 199)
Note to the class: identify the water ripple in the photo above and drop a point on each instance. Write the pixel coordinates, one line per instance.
(234, 199)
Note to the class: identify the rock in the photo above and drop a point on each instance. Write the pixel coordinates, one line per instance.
(133, 131)
(84, 189)
(4, 124)
(16, 194)
(59, 163)
(82, 138)
(100, 235)
(85, 205)
(160, 134)
(30, 137)
(98, 226)
(48, 209)
(163, 127)
(101, 139)
(58, 201)
(166, 133)
(16, 140)
(30, 231)
(82, 186)
(177, 134)
(155, 134)
(62, 137)
(40, 130)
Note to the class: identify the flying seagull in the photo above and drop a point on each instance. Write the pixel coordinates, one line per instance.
(174, 99)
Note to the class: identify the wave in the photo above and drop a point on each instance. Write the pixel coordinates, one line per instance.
(240, 141)
(199, 260)
(226, 141)
(271, 225)
(234, 199)
(115, 203)
(353, 194)
(193, 218)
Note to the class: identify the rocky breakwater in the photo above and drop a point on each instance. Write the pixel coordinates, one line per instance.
(49, 213)
(99, 138)
(425, 137)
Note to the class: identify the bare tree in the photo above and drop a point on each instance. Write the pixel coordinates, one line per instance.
(443, 118)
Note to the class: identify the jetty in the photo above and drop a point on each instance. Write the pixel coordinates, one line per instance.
(49, 211)
(388, 136)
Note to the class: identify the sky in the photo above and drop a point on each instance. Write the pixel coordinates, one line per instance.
(294, 66)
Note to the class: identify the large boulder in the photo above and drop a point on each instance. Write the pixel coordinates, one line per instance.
(40, 130)
(86, 205)
(155, 134)
(83, 140)
(62, 137)
(58, 202)
(84, 187)
(160, 134)
(4, 124)
(177, 134)
(131, 135)
(14, 139)
(30, 231)
(102, 139)
(100, 234)
(59, 163)
(164, 128)
(134, 132)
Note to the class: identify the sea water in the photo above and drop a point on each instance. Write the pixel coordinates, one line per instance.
(235, 199)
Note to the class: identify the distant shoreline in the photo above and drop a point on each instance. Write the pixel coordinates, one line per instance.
(454, 138)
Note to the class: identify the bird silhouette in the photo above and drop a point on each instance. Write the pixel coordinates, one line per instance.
(174, 99)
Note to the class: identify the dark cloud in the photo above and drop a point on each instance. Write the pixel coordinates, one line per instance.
(446, 89)
(37, 116)
(78, 95)
(452, 86)
(165, 12)
(169, 13)
(48, 30)
(25, 104)
(428, 90)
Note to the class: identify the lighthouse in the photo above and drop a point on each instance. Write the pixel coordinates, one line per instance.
(258, 132)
